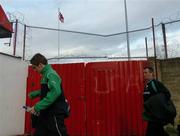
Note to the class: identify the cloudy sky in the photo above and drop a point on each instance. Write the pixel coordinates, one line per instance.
(102, 17)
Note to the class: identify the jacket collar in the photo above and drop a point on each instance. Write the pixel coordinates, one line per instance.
(45, 69)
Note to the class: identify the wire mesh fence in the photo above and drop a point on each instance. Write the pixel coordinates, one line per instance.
(83, 46)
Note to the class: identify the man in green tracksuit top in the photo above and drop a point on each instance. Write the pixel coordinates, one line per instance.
(52, 105)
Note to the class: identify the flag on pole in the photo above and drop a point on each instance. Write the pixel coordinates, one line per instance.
(61, 18)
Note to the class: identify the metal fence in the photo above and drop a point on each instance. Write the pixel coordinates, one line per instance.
(83, 46)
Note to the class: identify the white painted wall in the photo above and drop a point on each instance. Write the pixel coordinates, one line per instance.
(13, 74)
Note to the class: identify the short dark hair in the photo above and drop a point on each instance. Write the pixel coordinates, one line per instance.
(151, 70)
(37, 59)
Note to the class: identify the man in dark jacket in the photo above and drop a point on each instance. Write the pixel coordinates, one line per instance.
(52, 106)
(152, 87)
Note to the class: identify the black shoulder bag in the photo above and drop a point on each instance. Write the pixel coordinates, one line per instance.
(161, 107)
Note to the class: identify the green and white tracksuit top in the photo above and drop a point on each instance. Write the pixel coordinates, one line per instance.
(51, 93)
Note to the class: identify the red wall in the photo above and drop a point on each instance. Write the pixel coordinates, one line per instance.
(105, 97)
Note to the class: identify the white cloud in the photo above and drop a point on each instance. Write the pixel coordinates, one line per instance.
(94, 16)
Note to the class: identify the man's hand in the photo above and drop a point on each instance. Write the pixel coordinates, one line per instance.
(32, 111)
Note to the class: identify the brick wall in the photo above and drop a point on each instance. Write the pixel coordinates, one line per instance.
(170, 76)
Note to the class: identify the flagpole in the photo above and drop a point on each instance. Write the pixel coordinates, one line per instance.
(58, 35)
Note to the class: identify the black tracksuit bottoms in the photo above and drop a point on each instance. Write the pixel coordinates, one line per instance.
(50, 126)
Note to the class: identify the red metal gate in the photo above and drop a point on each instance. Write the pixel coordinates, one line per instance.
(105, 97)
(114, 99)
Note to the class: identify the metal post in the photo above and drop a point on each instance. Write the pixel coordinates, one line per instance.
(154, 43)
(127, 31)
(146, 47)
(24, 42)
(164, 38)
(15, 37)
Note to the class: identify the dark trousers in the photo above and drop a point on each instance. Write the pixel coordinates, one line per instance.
(155, 129)
(50, 126)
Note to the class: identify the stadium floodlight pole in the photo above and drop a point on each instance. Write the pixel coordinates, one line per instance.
(146, 47)
(127, 31)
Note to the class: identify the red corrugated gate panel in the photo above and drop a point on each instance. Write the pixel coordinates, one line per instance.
(105, 97)
(101, 86)
(114, 98)
(73, 81)
(33, 83)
